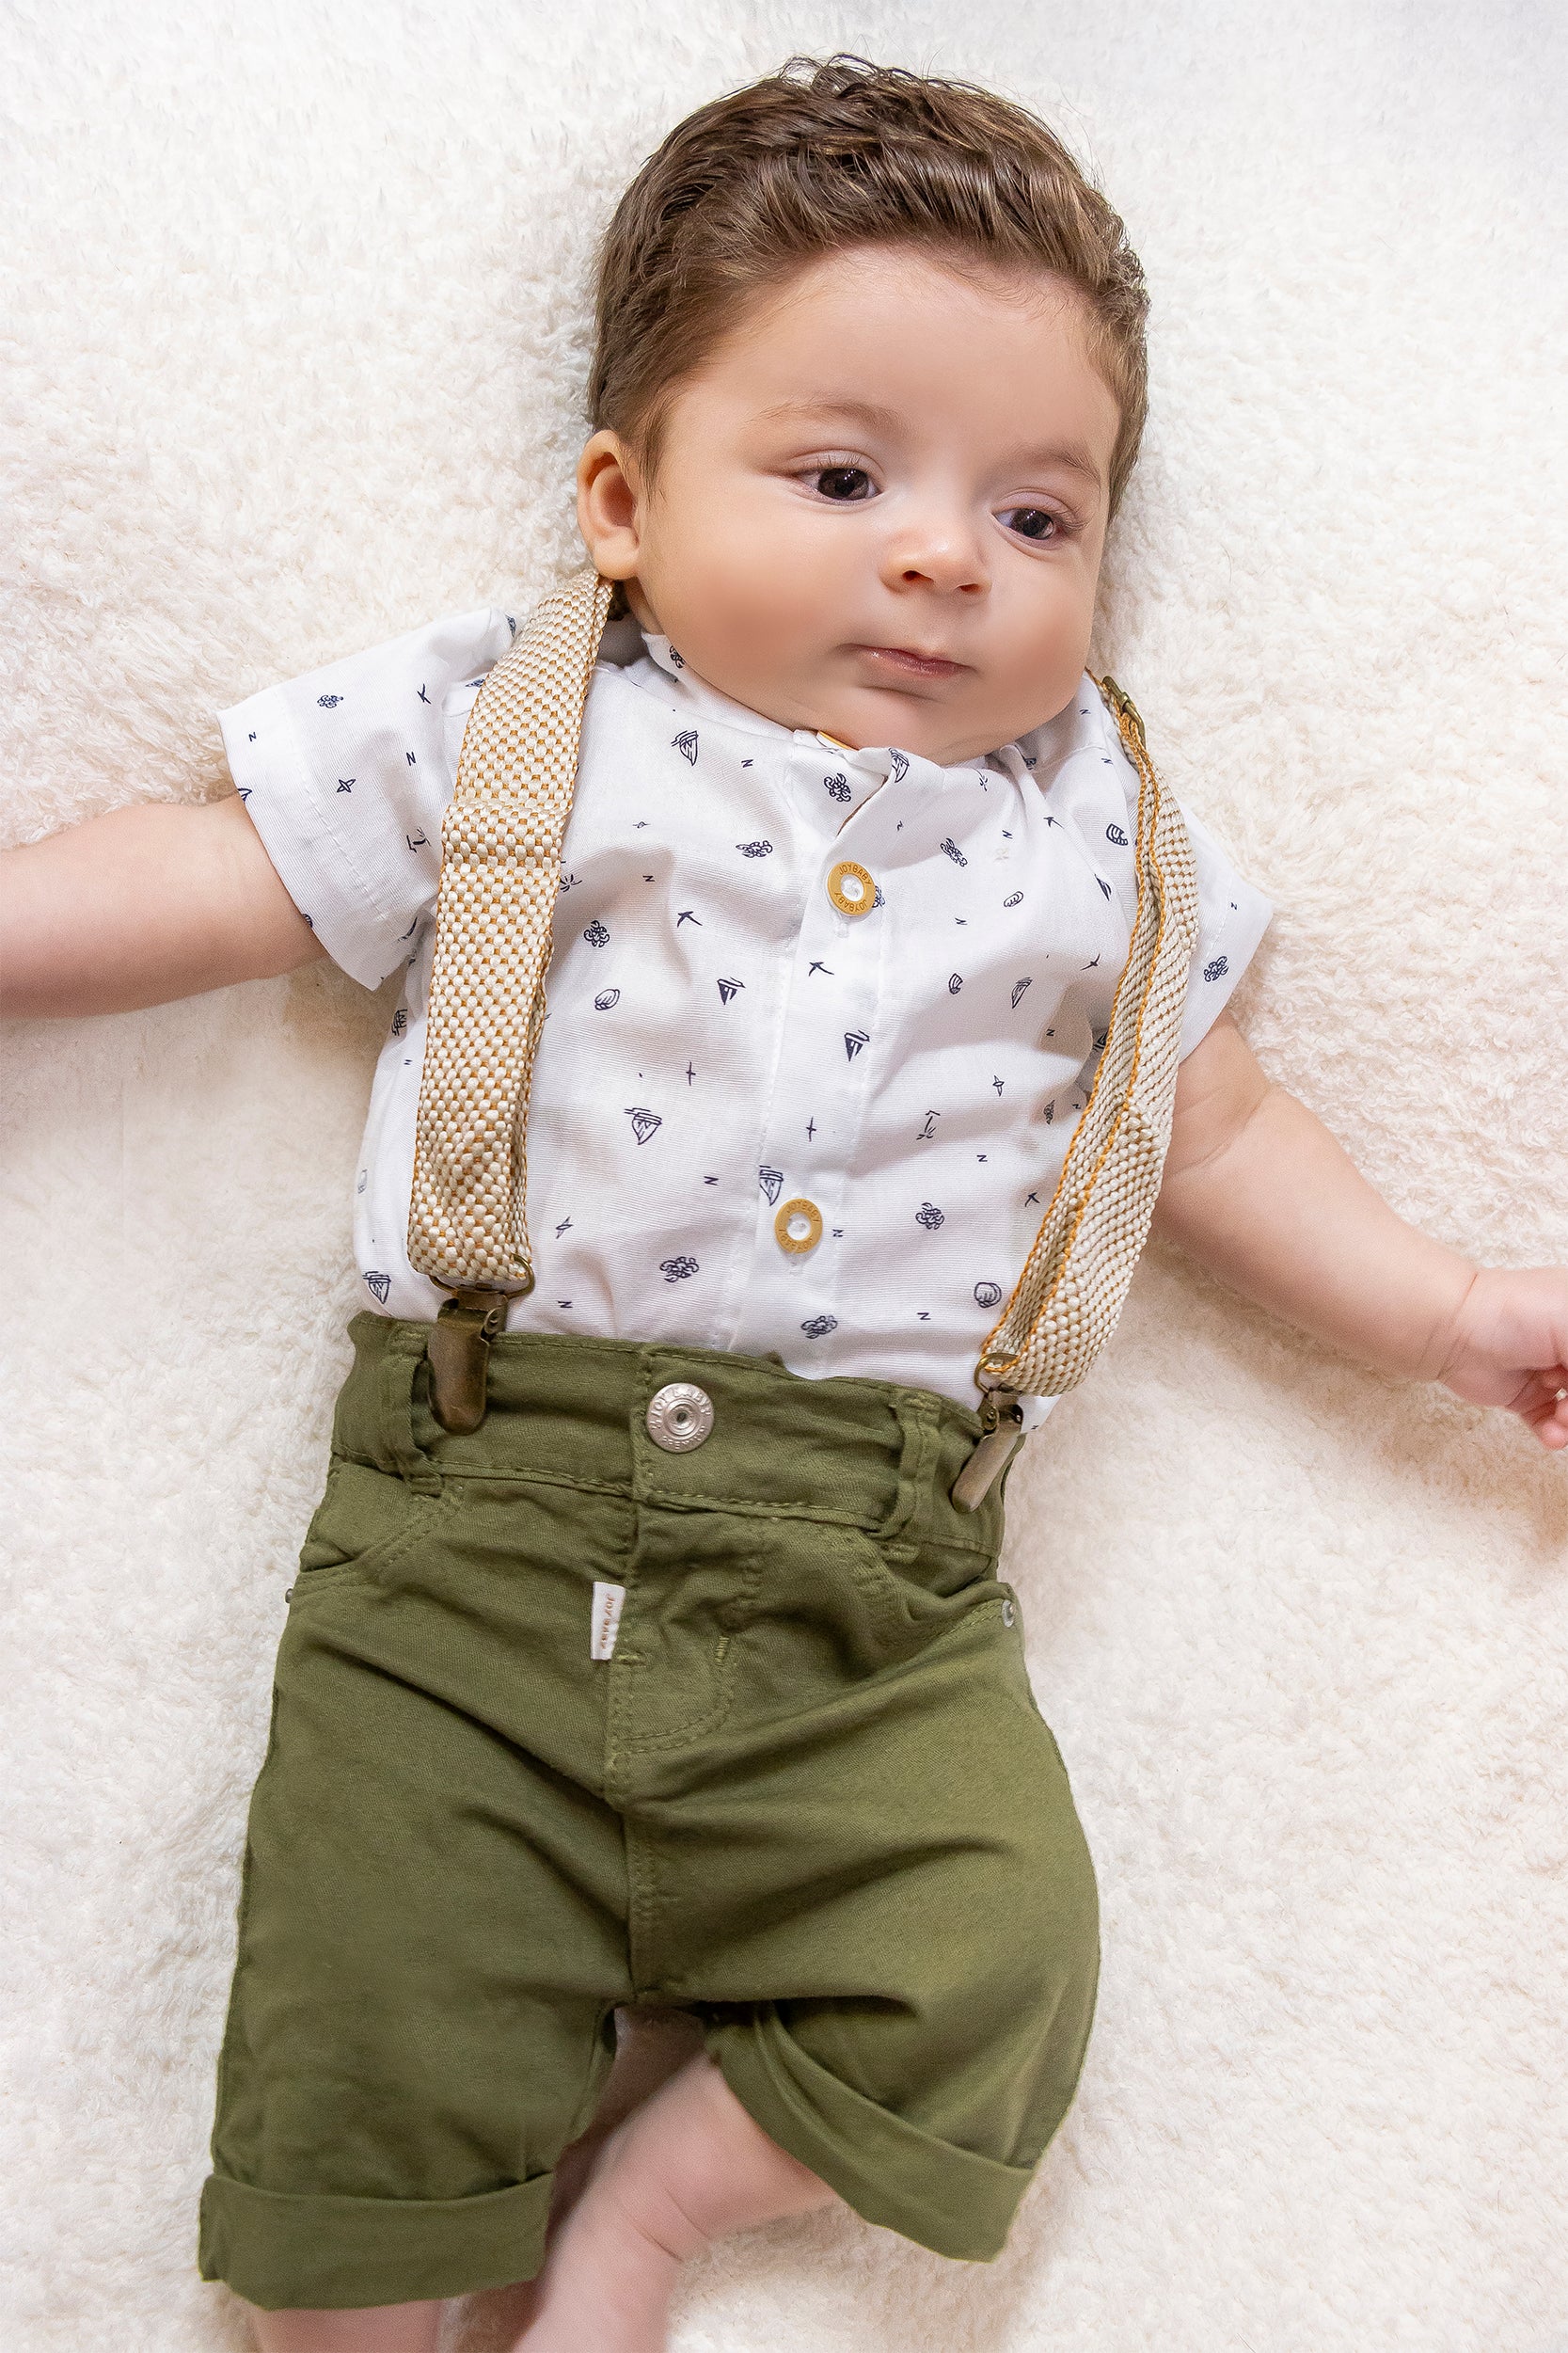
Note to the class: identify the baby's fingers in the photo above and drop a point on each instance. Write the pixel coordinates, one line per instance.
(1544, 1404)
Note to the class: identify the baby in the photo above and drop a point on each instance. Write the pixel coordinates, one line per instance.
(641, 1650)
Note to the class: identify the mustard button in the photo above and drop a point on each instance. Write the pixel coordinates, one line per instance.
(853, 891)
(798, 1227)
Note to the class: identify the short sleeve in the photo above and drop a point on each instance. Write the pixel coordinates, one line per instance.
(346, 773)
(1232, 917)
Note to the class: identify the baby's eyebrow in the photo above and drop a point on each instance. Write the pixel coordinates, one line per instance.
(1072, 455)
(860, 412)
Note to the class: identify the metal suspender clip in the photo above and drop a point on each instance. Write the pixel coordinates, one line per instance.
(1000, 1428)
(458, 1351)
(1123, 707)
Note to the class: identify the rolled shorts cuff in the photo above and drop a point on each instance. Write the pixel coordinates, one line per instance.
(945, 2198)
(287, 2253)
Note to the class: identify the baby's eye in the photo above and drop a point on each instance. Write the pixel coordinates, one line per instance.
(1030, 522)
(843, 481)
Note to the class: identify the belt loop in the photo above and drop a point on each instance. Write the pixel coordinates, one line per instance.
(912, 1507)
(401, 1360)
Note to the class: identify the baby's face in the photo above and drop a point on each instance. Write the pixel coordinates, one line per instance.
(878, 507)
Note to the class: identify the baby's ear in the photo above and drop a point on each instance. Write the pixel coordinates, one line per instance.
(607, 484)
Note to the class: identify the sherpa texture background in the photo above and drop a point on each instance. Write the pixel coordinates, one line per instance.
(296, 305)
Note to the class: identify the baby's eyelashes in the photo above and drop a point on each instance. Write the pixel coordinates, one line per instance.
(845, 482)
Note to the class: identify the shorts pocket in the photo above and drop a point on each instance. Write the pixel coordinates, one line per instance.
(921, 1593)
(365, 1520)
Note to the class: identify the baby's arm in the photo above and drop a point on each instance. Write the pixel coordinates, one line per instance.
(1257, 1189)
(148, 903)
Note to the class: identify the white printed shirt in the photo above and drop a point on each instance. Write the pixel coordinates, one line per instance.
(720, 1040)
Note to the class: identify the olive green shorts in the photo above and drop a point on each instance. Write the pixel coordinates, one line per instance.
(807, 1796)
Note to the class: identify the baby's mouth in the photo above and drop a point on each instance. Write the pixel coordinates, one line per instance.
(908, 663)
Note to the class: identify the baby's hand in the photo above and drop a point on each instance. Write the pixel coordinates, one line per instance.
(1509, 1346)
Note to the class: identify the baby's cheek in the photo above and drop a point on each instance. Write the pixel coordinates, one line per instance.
(745, 616)
(1040, 651)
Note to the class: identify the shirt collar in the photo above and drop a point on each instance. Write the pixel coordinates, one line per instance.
(695, 694)
(689, 693)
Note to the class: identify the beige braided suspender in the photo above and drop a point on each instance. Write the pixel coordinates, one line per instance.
(500, 862)
(501, 874)
(1067, 1302)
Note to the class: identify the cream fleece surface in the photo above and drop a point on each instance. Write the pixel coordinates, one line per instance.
(298, 333)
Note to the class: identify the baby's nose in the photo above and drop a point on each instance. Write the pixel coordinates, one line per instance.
(949, 561)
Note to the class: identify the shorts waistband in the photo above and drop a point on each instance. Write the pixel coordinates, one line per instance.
(855, 1453)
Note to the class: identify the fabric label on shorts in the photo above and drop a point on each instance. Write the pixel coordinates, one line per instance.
(607, 1618)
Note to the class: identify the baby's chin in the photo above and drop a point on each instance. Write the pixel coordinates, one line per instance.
(933, 725)
(920, 722)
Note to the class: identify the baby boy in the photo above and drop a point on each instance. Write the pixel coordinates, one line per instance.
(675, 1673)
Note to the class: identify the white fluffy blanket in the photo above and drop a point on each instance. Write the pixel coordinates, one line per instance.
(296, 305)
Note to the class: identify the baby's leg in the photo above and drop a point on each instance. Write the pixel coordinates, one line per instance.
(688, 2167)
(389, 2329)
(651, 2046)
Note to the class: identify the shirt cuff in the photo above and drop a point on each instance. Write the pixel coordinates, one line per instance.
(1233, 918)
(271, 773)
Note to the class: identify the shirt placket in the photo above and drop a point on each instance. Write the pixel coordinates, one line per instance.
(827, 1061)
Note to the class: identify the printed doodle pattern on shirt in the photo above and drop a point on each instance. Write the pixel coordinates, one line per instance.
(751, 1035)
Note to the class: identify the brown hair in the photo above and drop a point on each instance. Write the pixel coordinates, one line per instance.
(825, 156)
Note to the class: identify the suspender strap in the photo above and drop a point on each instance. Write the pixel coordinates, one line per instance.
(501, 866)
(1067, 1301)
(501, 874)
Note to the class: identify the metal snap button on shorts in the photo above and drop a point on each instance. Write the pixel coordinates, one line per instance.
(568, 1718)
